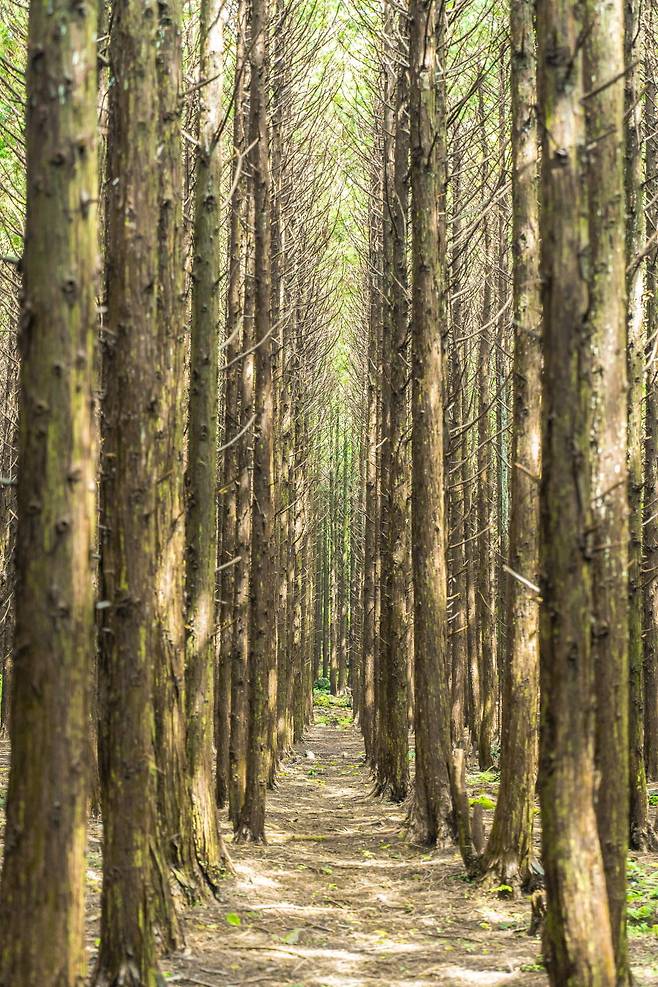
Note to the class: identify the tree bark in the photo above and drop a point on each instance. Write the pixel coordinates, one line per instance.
(579, 949)
(640, 828)
(432, 809)
(203, 441)
(603, 59)
(262, 656)
(174, 795)
(509, 849)
(44, 860)
(650, 557)
(135, 878)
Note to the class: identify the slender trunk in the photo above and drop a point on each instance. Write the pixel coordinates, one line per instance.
(174, 796)
(203, 436)
(640, 828)
(428, 135)
(232, 492)
(485, 599)
(262, 656)
(604, 58)
(393, 769)
(650, 559)
(509, 849)
(240, 653)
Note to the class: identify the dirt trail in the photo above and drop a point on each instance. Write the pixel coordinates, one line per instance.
(339, 898)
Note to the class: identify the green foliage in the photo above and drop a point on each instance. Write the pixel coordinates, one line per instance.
(484, 801)
(488, 777)
(323, 700)
(233, 918)
(503, 891)
(642, 898)
(322, 685)
(335, 711)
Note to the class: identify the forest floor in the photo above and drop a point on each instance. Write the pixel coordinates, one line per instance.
(340, 898)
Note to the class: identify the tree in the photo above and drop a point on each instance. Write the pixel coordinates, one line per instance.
(509, 849)
(604, 58)
(262, 665)
(135, 878)
(432, 809)
(392, 760)
(174, 795)
(44, 861)
(579, 944)
(640, 830)
(203, 428)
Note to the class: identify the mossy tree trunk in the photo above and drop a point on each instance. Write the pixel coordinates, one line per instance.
(135, 877)
(603, 59)
(174, 796)
(203, 442)
(42, 888)
(578, 940)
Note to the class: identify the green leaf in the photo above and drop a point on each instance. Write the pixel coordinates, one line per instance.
(233, 919)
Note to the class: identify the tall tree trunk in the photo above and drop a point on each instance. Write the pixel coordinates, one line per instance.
(369, 563)
(393, 769)
(174, 797)
(262, 655)
(650, 558)
(428, 136)
(579, 949)
(134, 872)
(603, 59)
(485, 608)
(44, 862)
(241, 630)
(232, 492)
(640, 829)
(509, 849)
(203, 431)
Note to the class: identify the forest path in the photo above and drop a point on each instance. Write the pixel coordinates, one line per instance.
(339, 898)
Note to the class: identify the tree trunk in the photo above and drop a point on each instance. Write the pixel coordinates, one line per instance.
(509, 849)
(432, 708)
(174, 796)
(232, 492)
(203, 432)
(44, 862)
(241, 630)
(135, 878)
(579, 950)
(603, 59)
(393, 766)
(485, 606)
(650, 558)
(640, 828)
(262, 655)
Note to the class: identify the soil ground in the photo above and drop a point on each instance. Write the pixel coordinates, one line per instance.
(340, 898)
